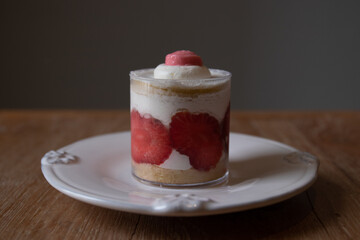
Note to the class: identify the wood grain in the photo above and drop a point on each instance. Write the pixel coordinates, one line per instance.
(31, 209)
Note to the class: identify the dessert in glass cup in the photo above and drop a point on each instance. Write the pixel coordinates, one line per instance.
(180, 114)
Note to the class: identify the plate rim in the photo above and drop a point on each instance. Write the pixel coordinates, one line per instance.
(116, 204)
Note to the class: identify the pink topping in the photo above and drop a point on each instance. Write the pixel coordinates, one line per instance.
(183, 58)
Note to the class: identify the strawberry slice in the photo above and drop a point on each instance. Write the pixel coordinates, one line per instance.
(150, 141)
(225, 131)
(198, 136)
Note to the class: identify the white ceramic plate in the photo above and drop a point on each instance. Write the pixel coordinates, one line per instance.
(97, 170)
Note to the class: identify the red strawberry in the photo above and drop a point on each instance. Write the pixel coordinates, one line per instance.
(150, 142)
(197, 136)
(225, 125)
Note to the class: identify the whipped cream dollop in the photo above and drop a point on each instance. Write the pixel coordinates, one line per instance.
(182, 65)
(164, 71)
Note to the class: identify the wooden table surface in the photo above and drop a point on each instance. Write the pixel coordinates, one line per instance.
(31, 209)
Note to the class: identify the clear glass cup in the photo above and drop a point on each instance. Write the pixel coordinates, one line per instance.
(180, 129)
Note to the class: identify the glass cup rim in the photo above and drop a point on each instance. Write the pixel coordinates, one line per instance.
(218, 75)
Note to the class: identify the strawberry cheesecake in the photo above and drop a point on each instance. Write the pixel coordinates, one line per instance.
(180, 115)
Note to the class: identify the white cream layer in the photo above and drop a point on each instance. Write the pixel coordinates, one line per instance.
(177, 161)
(163, 107)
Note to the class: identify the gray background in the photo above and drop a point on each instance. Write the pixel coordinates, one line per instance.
(77, 54)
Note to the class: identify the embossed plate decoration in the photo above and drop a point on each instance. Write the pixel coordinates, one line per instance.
(97, 171)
